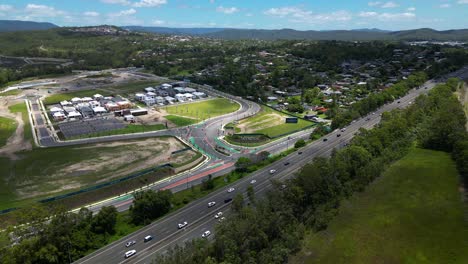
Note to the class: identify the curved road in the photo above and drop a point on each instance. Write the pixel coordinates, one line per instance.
(200, 217)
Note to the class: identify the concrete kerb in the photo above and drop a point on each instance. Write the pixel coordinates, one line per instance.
(168, 179)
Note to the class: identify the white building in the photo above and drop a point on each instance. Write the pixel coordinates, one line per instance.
(54, 110)
(180, 97)
(149, 100)
(74, 114)
(139, 96)
(166, 86)
(150, 89)
(159, 100)
(190, 90)
(98, 97)
(169, 99)
(59, 116)
(99, 110)
(65, 103)
(189, 97)
(86, 99)
(199, 94)
(76, 100)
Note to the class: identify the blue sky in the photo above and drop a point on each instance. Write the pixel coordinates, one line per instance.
(271, 14)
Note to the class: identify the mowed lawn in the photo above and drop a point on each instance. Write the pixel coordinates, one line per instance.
(412, 214)
(7, 128)
(204, 109)
(271, 123)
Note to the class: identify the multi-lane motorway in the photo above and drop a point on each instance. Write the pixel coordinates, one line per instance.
(200, 217)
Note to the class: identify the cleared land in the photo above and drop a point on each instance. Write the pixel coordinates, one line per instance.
(204, 109)
(42, 172)
(271, 123)
(7, 128)
(412, 214)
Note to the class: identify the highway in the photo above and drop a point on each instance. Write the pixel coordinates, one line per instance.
(200, 217)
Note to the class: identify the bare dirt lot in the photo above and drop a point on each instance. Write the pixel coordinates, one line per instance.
(16, 142)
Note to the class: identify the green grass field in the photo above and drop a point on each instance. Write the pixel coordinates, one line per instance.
(133, 87)
(272, 123)
(129, 129)
(412, 214)
(21, 108)
(204, 109)
(11, 92)
(181, 121)
(7, 128)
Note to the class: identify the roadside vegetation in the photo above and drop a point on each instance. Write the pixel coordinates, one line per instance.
(401, 218)
(181, 121)
(204, 109)
(7, 128)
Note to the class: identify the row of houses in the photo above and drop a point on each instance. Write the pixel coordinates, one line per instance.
(167, 94)
(88, 107)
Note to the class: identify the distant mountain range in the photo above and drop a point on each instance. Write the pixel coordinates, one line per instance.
(17, 25)
(364, 34)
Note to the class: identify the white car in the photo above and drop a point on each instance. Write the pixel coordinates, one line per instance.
(182, 225)
(130, 253)
(343, 129)
(207, 233)
(253, 181)
(272, 171)
(147, 238)
(130, 243)
(211, 204)
(218, 215)
(230, 190)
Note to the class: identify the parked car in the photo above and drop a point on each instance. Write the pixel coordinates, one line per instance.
(130, 243)
(205, 234)
(148, 238)
(130, 253)
(211, 204)
(182, 225)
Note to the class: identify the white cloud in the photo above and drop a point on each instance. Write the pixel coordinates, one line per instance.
(445, 5)
(389, 5)
(368, 14)
(123, 13)
(299, 15)
(227, 10)
(374, 3)
(118, 2)
(411, 9)
(149, 3)
(40, 11)
(6, 8)
(460, 2)
(212, 1)
(91, 14)
(158, 22)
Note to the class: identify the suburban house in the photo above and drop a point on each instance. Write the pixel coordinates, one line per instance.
(169, 99)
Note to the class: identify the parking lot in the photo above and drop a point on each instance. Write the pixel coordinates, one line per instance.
(89, 126)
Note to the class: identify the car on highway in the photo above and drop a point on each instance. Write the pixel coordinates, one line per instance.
(211, 204)
(272, 171)
(338, 135)
(147, 238)
(205, 234)
(230, 190)
(325, 139)
(343, 129)
(130, 243)
(130, 253)
(218, 215)
(253, 181)
(398, 102)
(182, 225)
(286, 163)
(299, 153)
(227, 200)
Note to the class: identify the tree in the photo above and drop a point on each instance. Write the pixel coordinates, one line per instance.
(299, 144)
(105, 220)
(242, 164)
(251, 194)
(208, 184)
(149, 205)
(238, 202)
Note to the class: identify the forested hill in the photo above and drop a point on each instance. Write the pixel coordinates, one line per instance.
(350, 35)
(17, 25)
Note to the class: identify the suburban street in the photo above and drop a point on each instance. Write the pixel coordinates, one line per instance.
(200, 217)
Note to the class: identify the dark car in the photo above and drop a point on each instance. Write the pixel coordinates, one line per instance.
(338, 135)
(325, 139)
(286, 163)
(299, 153)
(227, 200)
(398, 102)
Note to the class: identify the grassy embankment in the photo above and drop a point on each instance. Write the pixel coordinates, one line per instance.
(21, 108)
(7, 128)
(412, 214)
